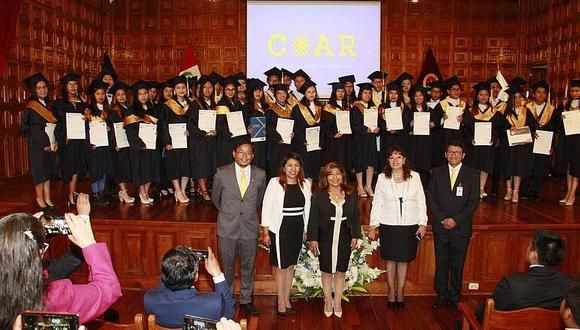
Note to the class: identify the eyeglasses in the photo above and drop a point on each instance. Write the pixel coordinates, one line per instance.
(456, 152)
(45, 247)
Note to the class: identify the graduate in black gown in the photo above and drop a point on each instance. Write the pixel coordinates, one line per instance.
(225, 142)
(276, 146)
(350, 93)
(300, 77)
(306, 114)
(178, 160)
(35, 120)
(571, 145)
(405, 80)
(121, 155)
(165, 92)
(145, 162)
(273, 77)
(377, 79)
(202, 143)
(479, 156)
(338, 145)
(392, 137)
(108, 76)
(499, 106)
(419, 146)
(257, 107)
(99, 157)
(242, 87)
(72, 152)
(365, 154)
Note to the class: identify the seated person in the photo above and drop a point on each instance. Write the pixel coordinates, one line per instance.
(570, 308)
(176, 294)
(541, 285)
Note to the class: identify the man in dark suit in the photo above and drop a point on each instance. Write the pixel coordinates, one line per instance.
(237, 193)
(541, 286)
(570, 307)
(453, 197)
(177, 296)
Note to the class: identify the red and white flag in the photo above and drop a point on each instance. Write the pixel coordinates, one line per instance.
(430, 70)
(189, 66)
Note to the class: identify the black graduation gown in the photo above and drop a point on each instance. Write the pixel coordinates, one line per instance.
(42, 163)
(145, 162)
(547, 121)
(364, 144)
(311, 159)
(121, 159)
(516, 160)
(100, 159)
(225, 143)
(177, 160)
(260, 147)
(202, 155)
(482, 157)
(390, 139)
(72, 155)
(277, 149)
(442, 136)
(419, 147)
(337, 149)
(570, 155)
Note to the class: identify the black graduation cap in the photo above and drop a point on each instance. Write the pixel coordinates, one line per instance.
(139, 85)
(107, 68)
(378, 75)
(192, 81)
(166, 84)
(153, 84)
(404, 76)
(216, 77)
(436, 84)
(493, 80)
(345, 79)
(452, 81)
(394, 86)
(178, 80)
(287, 73)
(280, 87)
(231, 80)
(31, 81)
(240, 76)
(273, 72)
(301, 73)
(118, 85)
(68, 78)
(418, 88)
(482, 85)
(336, 86)
(254, 84)
(541, 84)
(306, 85)
(575, 83)
(512, 89)
(517, 81)
(365, 86)
(97, 84)
(205, 79)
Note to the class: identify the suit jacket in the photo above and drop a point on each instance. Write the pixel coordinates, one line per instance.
(542, 287)
(445, 203)
(237, 217)
(321, 210)
(170, 306)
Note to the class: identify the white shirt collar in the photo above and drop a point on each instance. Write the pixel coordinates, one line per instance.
(393, 104)
(452, 102)
(339, 103)
(247, 171)
(482, 106)
(575, 103)
(42, 101)
(457, 169)
(100, 106)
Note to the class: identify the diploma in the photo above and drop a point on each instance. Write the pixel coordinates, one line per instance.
(207, 119)
(371, 118)
(571, 122)
(236, 123)
(543, 143)
(148, 133)
(98, 135)
(75, 126)
(482, 134)
(452, 113)
(285, 127)
(178, 133)
(120, 136)
(519, 136)
(343, 122)
(394, 119)
(421, 122)
(49, 130)
(259, 131)
(312, 138)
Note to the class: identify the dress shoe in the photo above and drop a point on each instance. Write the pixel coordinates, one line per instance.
(400, 304)
(438, 303)
(251, 309)
(281, 315)
(328, 313)
(508, 195)
(124, 197)
(516, 196)
(144, 199)
(391, 304)
(336, 312)
(40, 208)
(290, 310)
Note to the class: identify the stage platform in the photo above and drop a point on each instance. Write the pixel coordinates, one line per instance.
(138, 236)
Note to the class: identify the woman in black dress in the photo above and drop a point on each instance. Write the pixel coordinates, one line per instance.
(284, 221)
(333, 230)
(572, 145)
(306, 114)
(279, 109)
(257, 107)
(338, 145)
(37, 122)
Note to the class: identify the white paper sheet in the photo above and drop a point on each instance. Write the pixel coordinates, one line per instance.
(148, 133)
(371, 118)
(120, 136)
(178, 135)
(98, 135)
(49, 130)
(543, 143)
(519, 136)
(207, 119)
(394, 119)
(75, 126)
(482, 133)
(421, 122)
(343, 122)
(571, 122)
(236, 123)
(452, 113)
(285, 128)
(312, 138)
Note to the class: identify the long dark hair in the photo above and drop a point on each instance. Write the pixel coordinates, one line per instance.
(333, 99)
(305, 102)
(388, 170)
(32, 95)
(282, 175)
(323, 181)
(252, 100)
(94, 107)
(424, 105)
(201, 97)
(22, 284)
(474, 107)
(511, 103)
(359, 97)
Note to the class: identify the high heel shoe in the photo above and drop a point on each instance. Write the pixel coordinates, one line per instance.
(516, 196)
(562, 201)
(40, 208)
(508, 195)
(151, 200)
(180, 197)
(400, 304)
(144, 199)
(570, 203)
(71, 201)
(328, 313)
(205, 196)
(124, 197)
(482, 194)
(391, 304)
(335, 312)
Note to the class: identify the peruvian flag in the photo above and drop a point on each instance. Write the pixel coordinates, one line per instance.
(430, 70)
(189, 66)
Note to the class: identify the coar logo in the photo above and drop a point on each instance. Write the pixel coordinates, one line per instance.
(301, 45)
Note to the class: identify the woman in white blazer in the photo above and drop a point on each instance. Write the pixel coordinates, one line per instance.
(399, 211)
(285, 220)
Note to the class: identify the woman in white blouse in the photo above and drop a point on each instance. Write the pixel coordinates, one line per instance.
(400, 212)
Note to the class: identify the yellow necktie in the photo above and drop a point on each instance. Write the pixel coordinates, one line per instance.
(453, 177)
(243, 183)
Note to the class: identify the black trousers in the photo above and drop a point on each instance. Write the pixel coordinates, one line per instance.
(450, 253)
(531, 185)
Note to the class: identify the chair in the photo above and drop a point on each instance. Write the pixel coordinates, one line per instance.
(105, 325)
(152, 322)
(527, 318)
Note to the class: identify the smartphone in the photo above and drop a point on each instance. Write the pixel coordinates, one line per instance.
(191, 322)
(41, 320)
(201, 254)
(418, 236)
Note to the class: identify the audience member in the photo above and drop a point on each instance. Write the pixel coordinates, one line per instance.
(570, 307)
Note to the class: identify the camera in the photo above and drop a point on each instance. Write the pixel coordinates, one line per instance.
(191, 322)
(55, 225)
(40, 320)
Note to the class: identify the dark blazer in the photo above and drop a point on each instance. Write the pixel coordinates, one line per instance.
(170, 306)
(445, 203)
(321, 210)
(237, 217)
(542, 287)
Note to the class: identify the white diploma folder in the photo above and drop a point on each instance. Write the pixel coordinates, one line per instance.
(482, 133)
(452, 113)
(371, 118)
(120, 135)
(285, 128)
(571, 122)
(148, 133)
(236, 123)
(312, 138)
(343, 122)
(98, 135)
(543, 143)
(207, 119)
(75, 126)
(519, 136)
(394, 119)
(49, 130)
(178, 135)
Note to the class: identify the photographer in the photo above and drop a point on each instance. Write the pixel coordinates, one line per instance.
(23, 282)
(176, 294)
